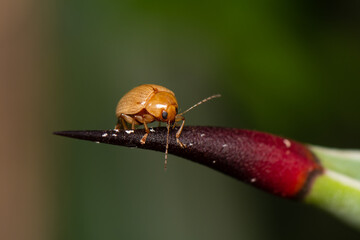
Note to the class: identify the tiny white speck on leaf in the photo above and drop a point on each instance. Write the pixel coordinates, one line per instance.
(129, 131)
(114, 135)
(152, 130)
(104, 135)
(287, 143)
(97, 142)
(201, 135)
(225, 145)
(214, 161)
(190, 144)
(116, 130)
(253, 180)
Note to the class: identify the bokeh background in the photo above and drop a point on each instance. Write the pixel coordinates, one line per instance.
(291, 68)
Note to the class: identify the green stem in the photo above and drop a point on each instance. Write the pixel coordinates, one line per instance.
(338, 189)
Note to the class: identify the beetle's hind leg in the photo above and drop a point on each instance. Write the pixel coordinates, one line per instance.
(121, 124)
(126, 119)
(118, 126)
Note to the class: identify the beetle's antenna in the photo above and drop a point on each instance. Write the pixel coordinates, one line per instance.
(167, 144)
(202, 101)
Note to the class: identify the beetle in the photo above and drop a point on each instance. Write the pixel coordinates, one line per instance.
(148, 103)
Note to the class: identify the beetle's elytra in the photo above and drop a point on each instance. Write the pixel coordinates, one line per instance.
(148, 103)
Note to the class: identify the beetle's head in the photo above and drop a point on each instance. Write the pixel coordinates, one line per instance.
(163, 106)
(169, 113)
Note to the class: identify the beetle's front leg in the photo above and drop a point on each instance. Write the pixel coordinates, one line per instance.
(178, 133)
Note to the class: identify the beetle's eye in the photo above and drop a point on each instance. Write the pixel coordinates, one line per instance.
(164, 115)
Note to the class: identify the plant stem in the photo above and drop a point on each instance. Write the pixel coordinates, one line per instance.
(277, 165)
(326, 178)
(338, 189)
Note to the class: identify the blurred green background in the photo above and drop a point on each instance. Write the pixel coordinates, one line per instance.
(291, 68)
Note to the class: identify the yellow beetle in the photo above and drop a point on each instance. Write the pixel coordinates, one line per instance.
(148, 103)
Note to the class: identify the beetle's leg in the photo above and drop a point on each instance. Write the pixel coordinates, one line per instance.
(133, 124)
(128, 119)
(178, 133)
(121, 123)
(145, 118)
(124, 124)
(148, 118)
(143, 139)
(118, 126)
